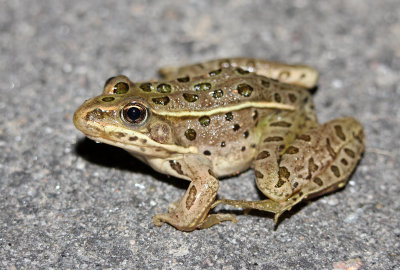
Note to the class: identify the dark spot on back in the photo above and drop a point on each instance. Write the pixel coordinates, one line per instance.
(244, 89)
(236, 127)
(190, 97)
(312, 167)
(318, 181)
(183, 79)
(277, 97)
(344, 161)
(258, 174)
(262, 155)
(281, 124)
(280, 183)
(215, 72)
(339, 132)
(242, 71)
(202, 86)
(190, 134)
(303, 137)
(273, 139)
(255, 115)
(161, 100)
(349, 152)
(204, 121)
(330, 149)
(146, 87)
(121, 88)
(228, 116)
(217, 93)
(207, 153)
(335, 170)
(284, 172)
(164, 88)
(292, 150)
(265, 83)
(292, 97)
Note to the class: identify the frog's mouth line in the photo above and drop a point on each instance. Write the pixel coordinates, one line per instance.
(152, 148)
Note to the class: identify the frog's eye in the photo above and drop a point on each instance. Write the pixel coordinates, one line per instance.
(134, 113)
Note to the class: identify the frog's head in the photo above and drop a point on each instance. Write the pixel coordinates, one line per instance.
(123, 116)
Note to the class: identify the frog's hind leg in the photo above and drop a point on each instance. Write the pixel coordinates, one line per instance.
(336, 146)
(300, 75)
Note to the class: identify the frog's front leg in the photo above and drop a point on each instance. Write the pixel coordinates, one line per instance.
(317, 162)
(191, 211)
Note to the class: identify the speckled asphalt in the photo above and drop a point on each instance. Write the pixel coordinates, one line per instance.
(68, 203)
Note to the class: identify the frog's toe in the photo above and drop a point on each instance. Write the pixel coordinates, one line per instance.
(215, 219)
(159, 219)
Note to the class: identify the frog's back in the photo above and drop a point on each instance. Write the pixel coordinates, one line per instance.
(219, 90)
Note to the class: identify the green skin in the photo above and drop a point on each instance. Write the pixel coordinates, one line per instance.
(219, 118)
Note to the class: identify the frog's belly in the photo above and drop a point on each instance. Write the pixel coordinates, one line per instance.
(225, 166)
(221, 165)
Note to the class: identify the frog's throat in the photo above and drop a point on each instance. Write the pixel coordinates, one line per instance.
(254, 104)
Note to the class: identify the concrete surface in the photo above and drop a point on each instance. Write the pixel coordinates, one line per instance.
(68, 203)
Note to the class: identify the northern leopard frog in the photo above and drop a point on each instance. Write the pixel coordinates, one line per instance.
(219, 118)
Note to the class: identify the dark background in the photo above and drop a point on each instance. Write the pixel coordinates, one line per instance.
(67, 202)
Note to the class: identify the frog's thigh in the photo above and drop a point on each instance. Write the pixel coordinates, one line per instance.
(198, 69)
(310, 154)
(335, 149)
(191, 211)
(335, 174)
(318, 161)
(185, 72)
(304, 76)
(300, 75)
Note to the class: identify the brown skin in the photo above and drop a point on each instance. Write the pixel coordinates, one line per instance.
(218, 118)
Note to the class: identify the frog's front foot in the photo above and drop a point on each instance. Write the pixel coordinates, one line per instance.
(191, 211)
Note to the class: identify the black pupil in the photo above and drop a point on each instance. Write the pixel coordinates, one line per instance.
(133, 113)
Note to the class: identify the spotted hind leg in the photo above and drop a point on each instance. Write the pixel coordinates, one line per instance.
(300, 75)
(336, 146)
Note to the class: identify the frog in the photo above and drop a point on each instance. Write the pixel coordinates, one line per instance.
(211, 120)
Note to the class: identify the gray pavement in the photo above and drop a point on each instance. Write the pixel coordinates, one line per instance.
(68, 203)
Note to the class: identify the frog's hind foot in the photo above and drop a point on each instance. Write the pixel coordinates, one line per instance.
(277, 208)
(215, 219)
